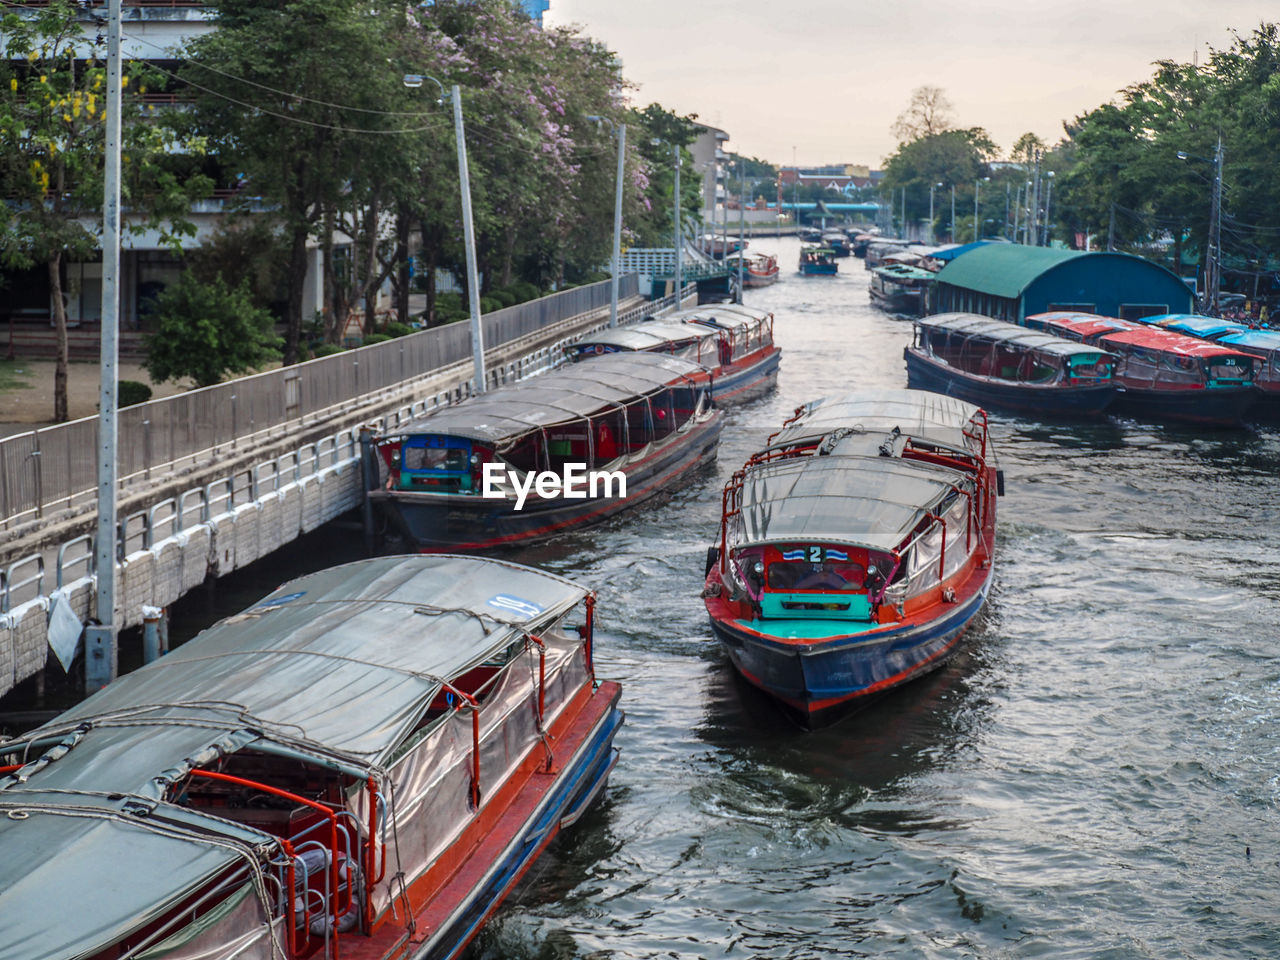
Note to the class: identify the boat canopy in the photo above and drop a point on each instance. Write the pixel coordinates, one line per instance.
(651, 335)
(569, 394)
(1167, 341)
(903, 271)
(998, 331)
(1079, 326)
(335, 669)
(1207, 328)
(1257, 339)
(914, 413)
(866, 501)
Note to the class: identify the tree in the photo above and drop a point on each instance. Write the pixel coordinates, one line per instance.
(298, 99)
(953, 158)
(928, 113)
(1025, 149)
(660, 128)
(52, 130)
(206, 330)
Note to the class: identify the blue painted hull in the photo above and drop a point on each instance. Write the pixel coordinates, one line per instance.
(823, 680)
(580, 781)
(1059, 400)
(1218, 407)
(819, 269)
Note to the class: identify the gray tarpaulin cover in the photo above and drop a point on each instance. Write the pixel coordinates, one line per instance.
(916, 413)
(654, 336)
(1002, 332)
(341, 662)
(576, 391)
(872, 502)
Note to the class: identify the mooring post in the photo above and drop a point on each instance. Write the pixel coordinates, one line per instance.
(368, 474)
(151, 648)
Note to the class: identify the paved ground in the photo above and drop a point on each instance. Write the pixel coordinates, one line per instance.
(26, 391)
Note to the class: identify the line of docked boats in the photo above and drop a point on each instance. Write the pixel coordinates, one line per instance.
(1066, 364)
(366, 762)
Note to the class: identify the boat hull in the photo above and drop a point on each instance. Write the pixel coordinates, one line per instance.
(819, 269)
(820, 682)
(924, 373)
(1218, 407)
(542, 812)
(748, 378)
(441, 522)
(909, 302)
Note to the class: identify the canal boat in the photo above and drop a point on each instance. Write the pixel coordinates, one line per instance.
(734, 345)
(900, 289)
(818, 261)
(546, 454)
(855, 549)
(838, 241)
(1002, 364)
(758, 269)
(1262, 344)
(361, 765)
(1265, 346)
(1163, 375)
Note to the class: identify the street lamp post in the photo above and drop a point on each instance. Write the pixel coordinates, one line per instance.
(1213, 248)
(413, 81)
(1048, 207)
(932, 187)
(977, 230)
(742, 230)
(615, 261)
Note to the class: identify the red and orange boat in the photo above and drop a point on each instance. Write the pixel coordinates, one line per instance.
(855, 549)
(362, 765)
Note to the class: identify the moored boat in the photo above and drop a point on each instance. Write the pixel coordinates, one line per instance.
(900, 289)
(1163, 375)
(734, 344)
(837, 241)
(1002, 364)
(1263, 344)
(758, 269)
(855, 549)
(362, 765)
(818, 261)
(548, 453)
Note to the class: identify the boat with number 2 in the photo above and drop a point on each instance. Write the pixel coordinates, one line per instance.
(855, 549)
(362, 765)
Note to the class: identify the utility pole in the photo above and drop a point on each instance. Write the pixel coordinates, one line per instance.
(102, 659)
(1111, 228)
(1005, 231)
(953, 213)
(679, 272)
(742, 230)
(469, 235)
(1213, 257)
(1017, 212)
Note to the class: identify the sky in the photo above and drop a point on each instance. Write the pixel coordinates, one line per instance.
(822, 81)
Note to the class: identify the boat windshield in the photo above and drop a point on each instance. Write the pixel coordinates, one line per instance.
(1228, 369)
(826, 576)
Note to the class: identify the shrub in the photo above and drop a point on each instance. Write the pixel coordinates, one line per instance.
(394, 329)
(505, 297)
(207, 329)
(488, 304)
(524, 290)
(372, 338)
(129, 392)
(325, 350)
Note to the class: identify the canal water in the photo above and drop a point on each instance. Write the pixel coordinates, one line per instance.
(1096, 775)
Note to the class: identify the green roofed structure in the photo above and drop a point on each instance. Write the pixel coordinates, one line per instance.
(1012, 281)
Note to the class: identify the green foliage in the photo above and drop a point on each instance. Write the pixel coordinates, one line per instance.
(207, 330)
(397, 330)
(659, 130)
(956, 158)
(372, 338)
(129, 392)
(1122, 157)
(504, 297)
(326, 350)
(490, 304)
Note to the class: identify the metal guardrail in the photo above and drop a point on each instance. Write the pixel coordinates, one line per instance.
(47, 469)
